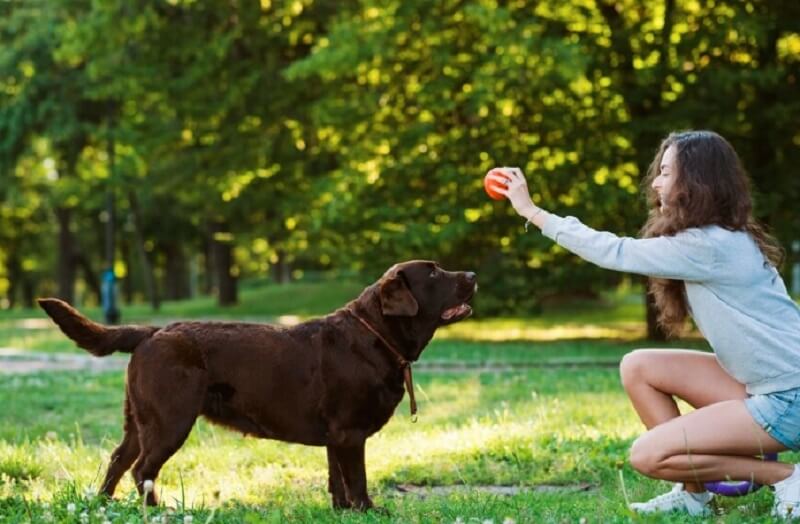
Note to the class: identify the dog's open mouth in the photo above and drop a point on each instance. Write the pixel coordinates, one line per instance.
(458, 312)
(461, 311)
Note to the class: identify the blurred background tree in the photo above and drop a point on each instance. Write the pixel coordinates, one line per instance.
(284, 138)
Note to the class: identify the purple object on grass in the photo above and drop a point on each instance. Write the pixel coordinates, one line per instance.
(737, 488)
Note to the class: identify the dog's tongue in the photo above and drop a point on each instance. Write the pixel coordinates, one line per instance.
(455, 311)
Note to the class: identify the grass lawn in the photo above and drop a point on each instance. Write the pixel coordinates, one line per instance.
(549, 423)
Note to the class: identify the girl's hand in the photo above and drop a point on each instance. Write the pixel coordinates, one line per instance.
(516, 190)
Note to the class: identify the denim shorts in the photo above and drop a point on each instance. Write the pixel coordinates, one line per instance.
(779, 414)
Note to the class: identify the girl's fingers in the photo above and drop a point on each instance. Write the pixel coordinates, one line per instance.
(508, 176)
(501, 191)
(500, 179)
(509, 171)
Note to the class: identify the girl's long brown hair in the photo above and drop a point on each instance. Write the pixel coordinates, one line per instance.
(711, 188)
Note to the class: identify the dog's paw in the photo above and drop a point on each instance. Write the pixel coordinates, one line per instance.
(341, 504)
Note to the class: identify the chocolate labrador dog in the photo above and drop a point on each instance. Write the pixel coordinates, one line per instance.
(332, 381)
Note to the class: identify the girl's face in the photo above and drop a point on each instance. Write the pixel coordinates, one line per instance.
(667, 174)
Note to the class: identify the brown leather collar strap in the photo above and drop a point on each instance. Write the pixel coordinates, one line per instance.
(405, 364)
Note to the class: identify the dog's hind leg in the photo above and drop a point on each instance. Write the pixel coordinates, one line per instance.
(124, 455)
(165, 410)
(159, 440)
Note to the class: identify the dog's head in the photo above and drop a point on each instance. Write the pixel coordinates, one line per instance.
(412, 299)
(420, 289)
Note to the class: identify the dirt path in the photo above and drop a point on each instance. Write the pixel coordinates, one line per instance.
(15, 361)
(19, 361)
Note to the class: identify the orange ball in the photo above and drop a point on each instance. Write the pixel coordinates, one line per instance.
(490, 184)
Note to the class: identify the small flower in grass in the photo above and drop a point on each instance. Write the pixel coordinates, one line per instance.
(458, 521)
(84, 518)
(582, 520)
(147, 486)
(71, 507)
(488, 521)
(187, 519)
(509, 520)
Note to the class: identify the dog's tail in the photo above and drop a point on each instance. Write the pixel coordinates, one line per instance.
(97, 339)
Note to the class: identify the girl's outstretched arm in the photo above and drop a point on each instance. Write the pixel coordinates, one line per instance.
(688, 255)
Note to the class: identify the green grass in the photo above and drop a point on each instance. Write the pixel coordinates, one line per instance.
(543, 426)
(554, 424)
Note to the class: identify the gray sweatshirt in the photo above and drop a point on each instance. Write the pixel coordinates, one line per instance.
(737, 299)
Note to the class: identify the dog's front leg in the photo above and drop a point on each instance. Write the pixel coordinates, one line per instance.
(354, 474)
(336, 481)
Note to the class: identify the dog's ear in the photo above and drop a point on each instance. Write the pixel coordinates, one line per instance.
(396, 298)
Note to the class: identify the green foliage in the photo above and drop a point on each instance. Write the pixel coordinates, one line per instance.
(355, 134)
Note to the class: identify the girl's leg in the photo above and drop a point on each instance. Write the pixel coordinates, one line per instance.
(715, 442)
(651, 377)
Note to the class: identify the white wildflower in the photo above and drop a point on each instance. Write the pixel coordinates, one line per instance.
(187, 519)
(71, 507)
(147, 486)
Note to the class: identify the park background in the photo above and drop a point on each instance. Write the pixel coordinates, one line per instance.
(265, 160)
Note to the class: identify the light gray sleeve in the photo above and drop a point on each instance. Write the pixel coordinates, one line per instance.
(689, 255)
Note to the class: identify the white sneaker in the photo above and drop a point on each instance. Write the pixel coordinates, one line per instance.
(677, 500)
(787, 496)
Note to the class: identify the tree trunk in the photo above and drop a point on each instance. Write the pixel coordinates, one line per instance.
(222, 250)
(14, 272)
(643, 102)
(127, 281)
(176, 277)
(89, 276)
(28, 292)
(147, 266)
(209, 276)
(66, 256)
(281, 272)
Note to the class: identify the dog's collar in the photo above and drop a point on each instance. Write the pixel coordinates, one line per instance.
(405, 364)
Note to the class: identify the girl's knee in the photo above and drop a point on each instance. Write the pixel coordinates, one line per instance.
(645, 457)
(633, 366)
